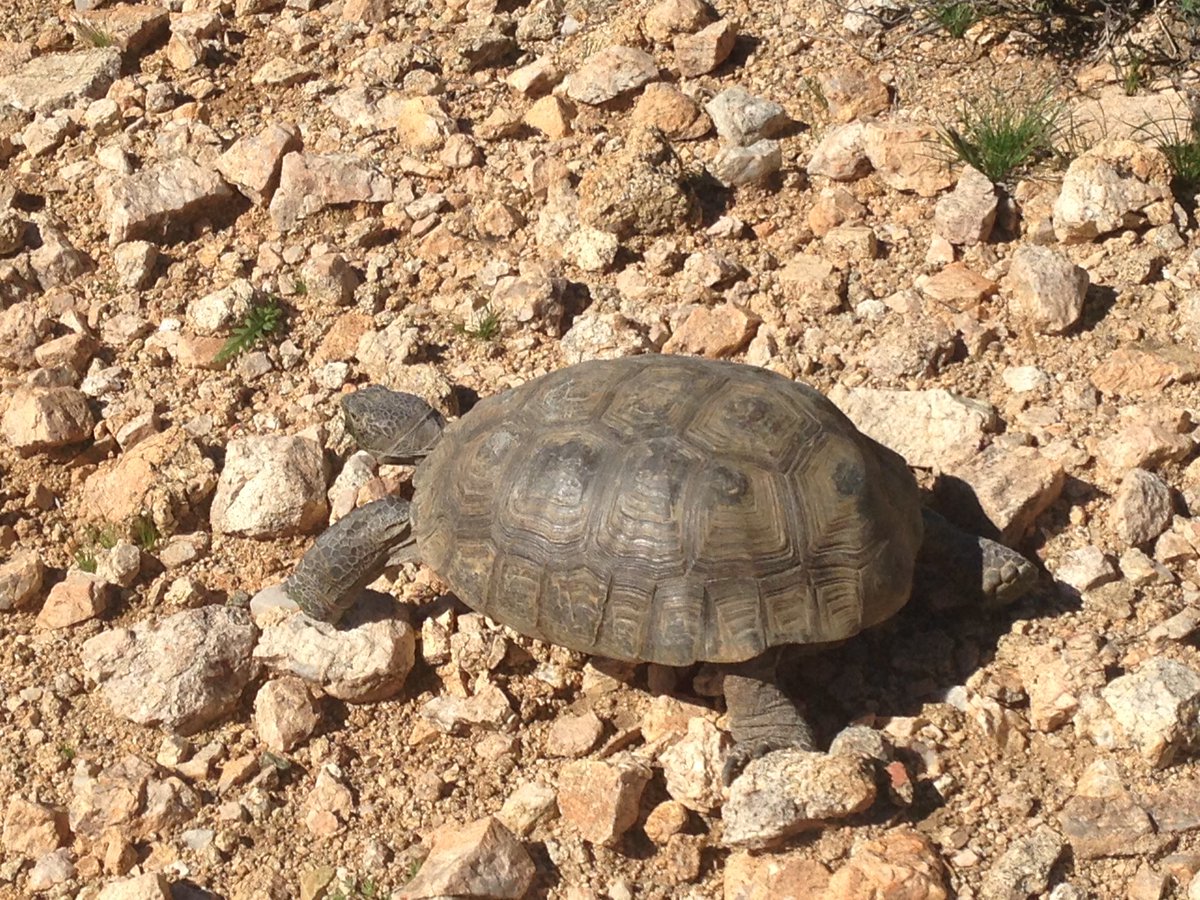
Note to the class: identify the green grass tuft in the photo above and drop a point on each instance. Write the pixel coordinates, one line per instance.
(1181, 146)
(145, 532)
(262, 319)
(85, 560)
(999, 134)
(484, 325)
(956, 16)
(96, 37)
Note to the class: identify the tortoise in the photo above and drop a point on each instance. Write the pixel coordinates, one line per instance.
(662, 509)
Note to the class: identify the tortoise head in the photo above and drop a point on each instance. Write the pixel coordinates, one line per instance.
(393, 426)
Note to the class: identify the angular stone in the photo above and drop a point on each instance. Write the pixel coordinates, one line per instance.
(700, 53)
(52, 869)
(601, 798)
(905, 158)
(717, 332)
(928, 428)
(671, 17)
(789, 791)
(311, 182)
(20, 580)
(692, 766)
(527, 806)
(1047, 289)
(636, 191)
(574, 736)
(674, 113)
(743, 118)
(164, 476)
(1158, 707)
(480, 859)
(58, 80)
(33, 829)
(284, 714)
(610, 73)
(736, 166)
(852, 92)
(161, 199)
(488, 708)
(841, 154)
(773, 876)
(1103, 819)
(1145, 368)
(1114, 185)
(185, 671)
(271, 486)
(151, 886)
(1085, 568)
(965, 216)
(130, 28)
(253, 163)
(813, 284)
(901, 864)
(43, 418)
(78, 598)
(1142, 507)
(958, 286)
(1011, 487)
(1023, 870)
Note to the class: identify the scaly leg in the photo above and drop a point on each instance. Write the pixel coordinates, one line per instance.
(761, 716)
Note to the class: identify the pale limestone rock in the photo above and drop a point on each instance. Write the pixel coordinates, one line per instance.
(271, 486)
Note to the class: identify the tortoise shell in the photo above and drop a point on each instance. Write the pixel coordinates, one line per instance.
(668, 509)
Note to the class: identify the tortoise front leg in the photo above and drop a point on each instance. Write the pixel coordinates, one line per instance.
(761, 716)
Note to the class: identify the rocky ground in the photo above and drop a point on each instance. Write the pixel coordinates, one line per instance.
(216, 216)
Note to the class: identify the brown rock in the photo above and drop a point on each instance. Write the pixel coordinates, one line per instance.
(341, 341)
(905, 157)
(966, 215)
(574, 736)
(253, 163)
(813, 283)
(162, 198)
(610, 73)
(1010, 487)
(600, 798)
(700, 53)
(1103, 826)
(311, 182)
(130, 29)
(717, 332)
(20, 580)
(481, 859)
(852, 93)
(1146, 367)
(81, 596)
(1047, 288)
(833, 207)
(670, 17)
(42, 418)
(551, 116)
(285, 714)
(959, 287)
(666, 820)
(901, 865)
(774, 876)
(164, 476)
(32, 829)
(674, 113)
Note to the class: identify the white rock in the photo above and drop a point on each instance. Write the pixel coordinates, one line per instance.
(1141, 508)
(1158, 707)
(271, 486)
(692, 766)
(185, 671)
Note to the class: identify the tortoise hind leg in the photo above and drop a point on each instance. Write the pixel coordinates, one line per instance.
(761, 716)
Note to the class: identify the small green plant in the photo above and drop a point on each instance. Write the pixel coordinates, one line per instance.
(357, 889)
(1181, 146)
(1189, 9)
(66, 751)
(299, 288)
(484, 325)
(85, 560)
(145, 532)
(813, 85)
(104, 536)
(97, 37)
(999, 134)
(261, 320)
(1133, 72)
(956, 16)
